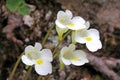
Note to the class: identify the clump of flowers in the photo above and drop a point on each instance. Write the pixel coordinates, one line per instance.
(80, 30)
(41, 59)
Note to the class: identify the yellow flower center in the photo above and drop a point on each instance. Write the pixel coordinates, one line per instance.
(71, 25)
(39, 61)
(75, 59)
(88, 39)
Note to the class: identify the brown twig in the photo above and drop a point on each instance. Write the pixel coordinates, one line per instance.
(112, 63)
(104, 66)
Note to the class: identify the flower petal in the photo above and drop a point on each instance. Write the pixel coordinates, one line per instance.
(38, 46)
(59, 14)
(94, 33)
(81, 58)
(69, 13)
(26, 60)
(63, 50)
(71, 47)
(44, 69)
(77, 23)
(78, 19)
(28, 48)
(77, 63)
(79, 36)
(87, 24)
(80, 40)
(59, 24)
(75, 26)
(81, 55)
(65, 61)
(68, 53)
(46, 54)
(94, 45)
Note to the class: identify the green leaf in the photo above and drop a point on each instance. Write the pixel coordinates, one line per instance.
(23, 10)
(12, 4)
(17, 5)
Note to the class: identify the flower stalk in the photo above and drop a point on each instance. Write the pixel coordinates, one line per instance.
(28, 73)
(15, 67)
(46, 36)
(54, 51)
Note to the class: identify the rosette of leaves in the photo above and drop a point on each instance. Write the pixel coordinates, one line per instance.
(17, 6)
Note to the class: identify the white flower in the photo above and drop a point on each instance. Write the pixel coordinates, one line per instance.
(69, 55)
(40, 58)
(65, 21)
(63, 18)
(90, 37)
(28, 20)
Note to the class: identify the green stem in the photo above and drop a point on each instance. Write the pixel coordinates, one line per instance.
(66, 34)
(39, 78)
(15, 67)
(73, 37)
(54, 51)
(28, 73)
(56, 47)
(55, 55)
(46, 36)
